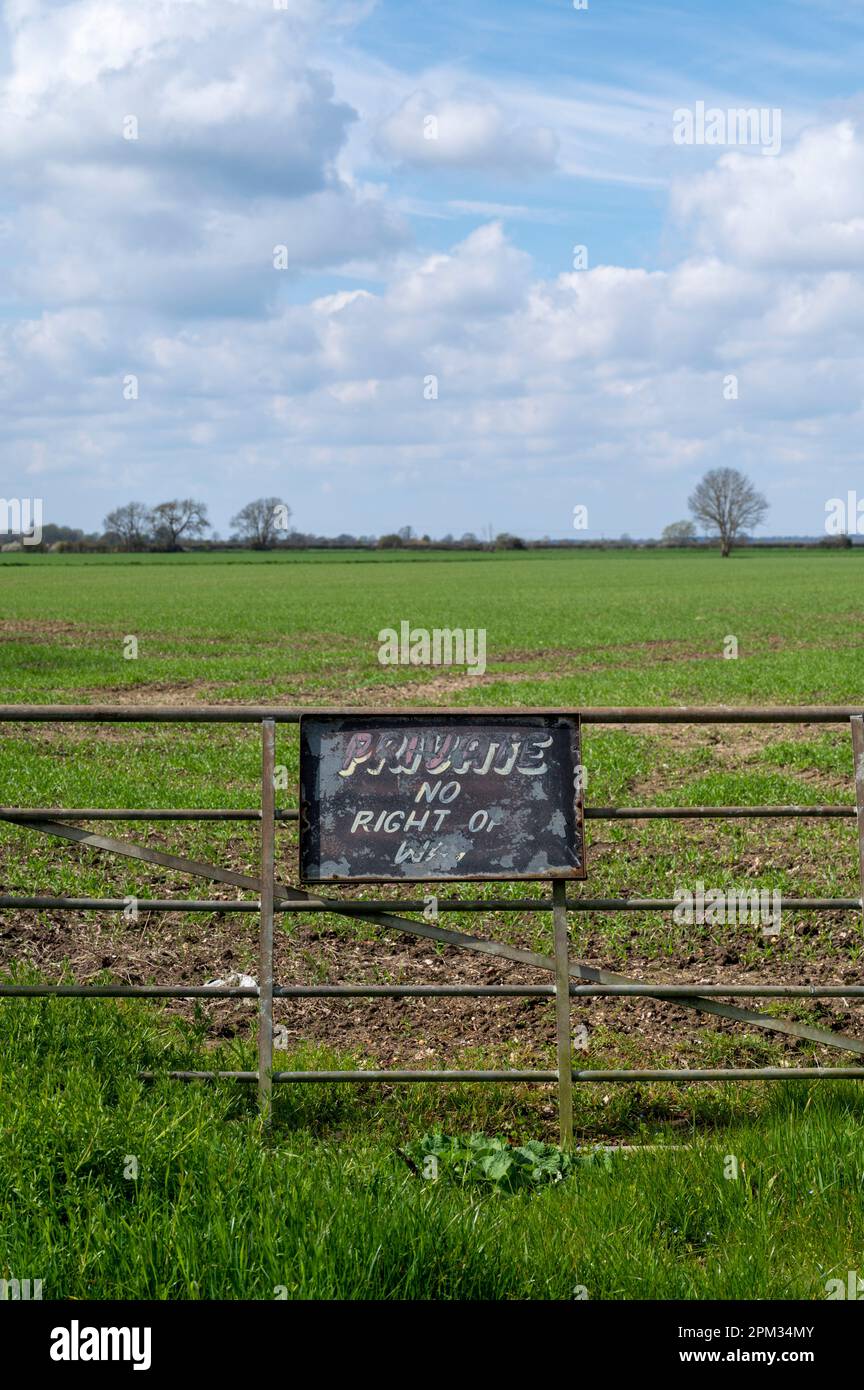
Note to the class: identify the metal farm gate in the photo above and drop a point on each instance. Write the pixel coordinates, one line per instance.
(570, 979)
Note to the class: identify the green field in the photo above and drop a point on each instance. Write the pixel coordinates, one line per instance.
(588, 628)
(325, 1205)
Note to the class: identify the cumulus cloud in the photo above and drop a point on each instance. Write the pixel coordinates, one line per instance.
(155, 257)
(803, 211)
(160, 152)
(464, 133)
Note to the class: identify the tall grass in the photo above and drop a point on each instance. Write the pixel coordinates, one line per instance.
(324, 1207)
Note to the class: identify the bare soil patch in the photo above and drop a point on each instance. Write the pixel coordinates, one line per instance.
(405, 1032)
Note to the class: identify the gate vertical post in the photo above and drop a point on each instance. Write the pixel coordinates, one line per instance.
(562, 1011)
(857, 725)
(265, 940)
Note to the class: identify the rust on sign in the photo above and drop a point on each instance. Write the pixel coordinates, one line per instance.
(385, 798)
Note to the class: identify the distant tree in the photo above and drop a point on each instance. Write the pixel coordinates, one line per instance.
(678, 533)
(185, 517)
(131, 523)
(504, 541)
(390, 542)
(52, 534)
(259, 523)
(725, 502)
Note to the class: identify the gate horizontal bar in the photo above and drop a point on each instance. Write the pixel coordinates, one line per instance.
(142, 904)
(254, 714)
(291, 813)
(348, 906)
(584, 991)
(711, 812)
(356, 1076)
(127, 992)
(683, 1074)
(140, 813)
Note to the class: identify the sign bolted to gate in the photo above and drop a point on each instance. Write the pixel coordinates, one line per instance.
(386, 798)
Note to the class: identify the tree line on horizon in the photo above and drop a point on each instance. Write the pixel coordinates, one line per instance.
(724, 503)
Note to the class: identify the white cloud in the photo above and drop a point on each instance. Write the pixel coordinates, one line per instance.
(236, 137)
(155, 257)
(464, 133)
(803, 211)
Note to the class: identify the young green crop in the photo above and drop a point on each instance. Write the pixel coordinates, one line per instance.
(327, 1206)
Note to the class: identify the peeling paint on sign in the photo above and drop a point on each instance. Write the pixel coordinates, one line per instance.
(387, 798)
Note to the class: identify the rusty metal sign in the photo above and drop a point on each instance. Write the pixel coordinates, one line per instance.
(385, 798)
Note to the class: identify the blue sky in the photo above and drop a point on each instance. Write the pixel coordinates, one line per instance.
(427, 352)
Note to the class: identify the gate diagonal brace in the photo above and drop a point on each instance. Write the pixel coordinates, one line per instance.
(857, 726)
(392, 922)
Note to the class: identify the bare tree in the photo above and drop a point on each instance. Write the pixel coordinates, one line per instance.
(678, 533)
(260, 522)
(185, 517)
(724, 503)
(131, 523)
